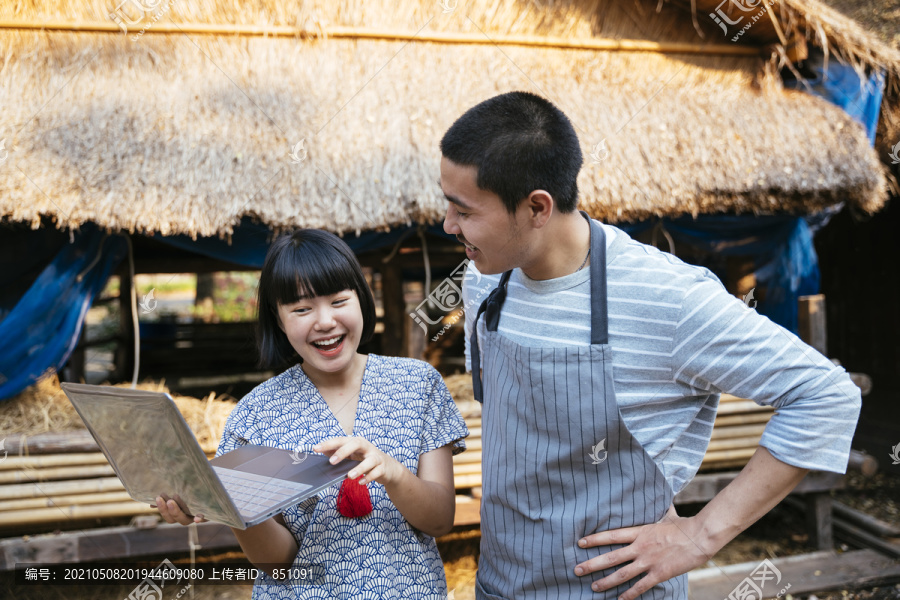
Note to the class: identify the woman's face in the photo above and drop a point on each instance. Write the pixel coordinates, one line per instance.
(324, 330)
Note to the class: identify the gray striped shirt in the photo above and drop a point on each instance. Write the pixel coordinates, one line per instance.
(679, 340)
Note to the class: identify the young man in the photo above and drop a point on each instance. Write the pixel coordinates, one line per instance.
(600, 362)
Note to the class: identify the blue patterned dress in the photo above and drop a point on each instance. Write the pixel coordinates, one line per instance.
(405, 410)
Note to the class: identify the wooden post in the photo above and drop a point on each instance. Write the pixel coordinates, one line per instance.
(393, 339)
(125, 350)
(74, 368)
(811, 321)
(415, 335)
(818, 521)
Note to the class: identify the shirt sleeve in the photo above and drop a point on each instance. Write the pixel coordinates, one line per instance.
(443, 423)
(721, 345)
(233, 435)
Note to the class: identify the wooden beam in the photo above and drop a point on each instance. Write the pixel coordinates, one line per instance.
(703, 488)
(814, 572)
(112, 543)
(468, 511)
(79, 440)
(356, 33)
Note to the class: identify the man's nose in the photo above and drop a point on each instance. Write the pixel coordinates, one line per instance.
(450, 225)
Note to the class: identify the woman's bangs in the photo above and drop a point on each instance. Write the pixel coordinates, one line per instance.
(304, 272)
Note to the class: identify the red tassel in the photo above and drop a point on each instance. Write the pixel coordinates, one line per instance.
(353, 499)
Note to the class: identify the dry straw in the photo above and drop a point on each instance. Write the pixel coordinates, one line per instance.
(186, 134)
(44, 407)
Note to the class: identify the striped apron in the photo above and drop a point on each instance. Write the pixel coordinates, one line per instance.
(559, 462)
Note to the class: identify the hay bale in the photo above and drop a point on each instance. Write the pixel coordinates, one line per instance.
(460, 387)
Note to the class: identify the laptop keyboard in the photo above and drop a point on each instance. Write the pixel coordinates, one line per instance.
(254, 494)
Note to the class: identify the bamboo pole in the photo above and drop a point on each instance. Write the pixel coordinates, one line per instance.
(466, 481)
(356, 33)
(51, 442)
(728, 455)
(50, 488)
(724, 433)
(63, 513)
(743, 406)
(65, 459)
(78, 472)
(734, 444)
(100, 498)
(467, 469)
(52, 460)
(467, 458)
(742, 419)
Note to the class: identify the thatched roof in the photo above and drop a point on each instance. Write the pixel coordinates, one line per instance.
(187, 133)
(821, 26)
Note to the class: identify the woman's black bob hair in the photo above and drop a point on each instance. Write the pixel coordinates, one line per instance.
(316, 263)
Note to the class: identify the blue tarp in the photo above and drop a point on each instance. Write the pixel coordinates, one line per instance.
(784, 257)
(841, 85)
(42, 329)
(250, 241)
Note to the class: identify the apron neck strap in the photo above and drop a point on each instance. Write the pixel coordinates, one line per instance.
(599, 311)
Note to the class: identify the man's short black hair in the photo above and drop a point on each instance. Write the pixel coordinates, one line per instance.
(519, 142)
(312, 262)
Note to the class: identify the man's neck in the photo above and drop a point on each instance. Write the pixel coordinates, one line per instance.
(563, 247)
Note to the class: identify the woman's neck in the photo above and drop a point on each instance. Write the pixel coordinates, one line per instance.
(347, 379)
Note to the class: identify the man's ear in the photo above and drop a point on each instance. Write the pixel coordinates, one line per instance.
(540, 207)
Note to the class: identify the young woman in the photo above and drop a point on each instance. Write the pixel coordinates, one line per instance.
(394, 415)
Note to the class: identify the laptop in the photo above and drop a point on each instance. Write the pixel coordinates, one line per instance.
(154, 452)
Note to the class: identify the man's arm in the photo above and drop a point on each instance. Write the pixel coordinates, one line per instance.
(721, 345)
(676, 544)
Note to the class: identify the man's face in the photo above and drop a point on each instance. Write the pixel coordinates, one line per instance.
(479, 220)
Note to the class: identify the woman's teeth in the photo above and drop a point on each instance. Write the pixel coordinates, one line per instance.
(328, 342)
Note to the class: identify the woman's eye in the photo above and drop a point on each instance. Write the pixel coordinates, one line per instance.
(339, 301)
